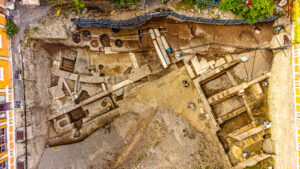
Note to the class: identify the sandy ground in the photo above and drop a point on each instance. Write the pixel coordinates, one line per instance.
(146, 135)
(281, 111)
(97, 147)
(170, 94)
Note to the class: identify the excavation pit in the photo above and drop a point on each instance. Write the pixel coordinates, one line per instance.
(119, 71)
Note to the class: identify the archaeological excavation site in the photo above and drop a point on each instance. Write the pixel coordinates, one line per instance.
(151, 92)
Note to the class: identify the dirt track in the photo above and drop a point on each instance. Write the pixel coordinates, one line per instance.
(281, 112)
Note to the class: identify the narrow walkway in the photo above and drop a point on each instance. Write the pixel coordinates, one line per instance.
(296, 74)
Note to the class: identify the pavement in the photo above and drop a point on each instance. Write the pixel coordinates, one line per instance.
(22, 17)
(296, 82)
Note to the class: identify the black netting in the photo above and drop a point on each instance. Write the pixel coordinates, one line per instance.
(142, 19)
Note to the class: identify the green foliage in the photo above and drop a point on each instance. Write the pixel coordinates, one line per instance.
(234, 6)
(189, 1)
(260, 9)
(204, 3)
(36, 29)
(182, 5)
(11, 28)
(79, 4)
(124, 1)
(200, 5)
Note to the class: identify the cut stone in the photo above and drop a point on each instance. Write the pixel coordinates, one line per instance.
(220, 62)
(196, 65)
(256, 31)
(204, 64)
(56, 92)
(212, 64)
(228, 58)
(257, 88)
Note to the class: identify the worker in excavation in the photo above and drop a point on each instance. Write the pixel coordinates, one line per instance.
(186, 83)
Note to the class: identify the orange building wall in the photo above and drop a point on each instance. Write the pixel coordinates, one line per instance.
(4, 39)
(2, 2)
(6, 73)
(2, 20)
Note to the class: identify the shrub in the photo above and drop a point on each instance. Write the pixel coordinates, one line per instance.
(204, 3)
(124, 1)
(189, 1)
(79, 4)
(260, 9)
(11, 28)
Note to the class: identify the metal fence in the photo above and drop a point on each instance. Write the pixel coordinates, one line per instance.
(142, 19)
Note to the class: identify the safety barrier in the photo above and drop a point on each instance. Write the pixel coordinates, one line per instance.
(142, 19)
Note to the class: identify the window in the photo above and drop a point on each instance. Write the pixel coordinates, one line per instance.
(2, 115)
(2, 98)
(18, 104)
(3, 140)
(2, 131)
(0, 41)
(5, 106)
(20, 165)
(4, 165)
(20, 135)
(1, 74)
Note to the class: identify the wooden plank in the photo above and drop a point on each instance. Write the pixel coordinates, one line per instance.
(163, 50)
(163, 62)
(133, 60)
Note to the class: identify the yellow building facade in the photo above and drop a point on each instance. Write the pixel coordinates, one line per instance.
(7, 130)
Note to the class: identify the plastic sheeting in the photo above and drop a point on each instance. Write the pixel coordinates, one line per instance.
(142, 19)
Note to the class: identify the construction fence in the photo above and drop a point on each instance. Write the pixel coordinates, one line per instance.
(142, 19)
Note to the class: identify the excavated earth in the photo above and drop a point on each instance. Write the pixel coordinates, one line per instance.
(155, 128)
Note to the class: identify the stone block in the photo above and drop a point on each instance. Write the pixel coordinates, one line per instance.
(220, 96)
(257, 31)
(204, 64)
(190, 71)
(220, 62)
(73, 76)
(207, 116)
(209, 100)
(57, 63)
(215, 97)
(212, 64)
(202, 110)
(56, 92)
(257, 88)
(228, 58)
